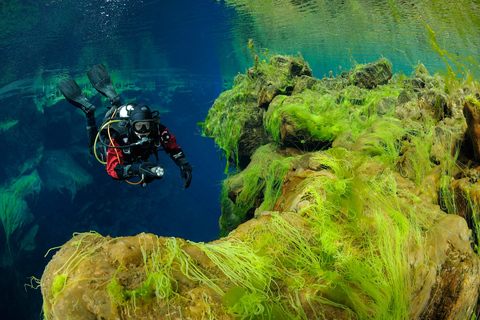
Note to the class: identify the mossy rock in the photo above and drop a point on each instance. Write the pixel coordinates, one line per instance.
(277, 76)
(257, 185)
(235, 119)
(373, 74)
(306, 121)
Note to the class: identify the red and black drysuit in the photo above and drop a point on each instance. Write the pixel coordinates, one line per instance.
(122, 165)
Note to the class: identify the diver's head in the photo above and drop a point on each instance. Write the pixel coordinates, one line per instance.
(141, 120)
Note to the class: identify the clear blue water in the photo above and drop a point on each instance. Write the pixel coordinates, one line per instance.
(177, 56)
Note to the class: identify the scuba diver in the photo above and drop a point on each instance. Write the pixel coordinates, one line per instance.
(130, 133)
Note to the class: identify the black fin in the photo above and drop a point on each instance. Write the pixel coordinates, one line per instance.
(72, 92)
(100, 79)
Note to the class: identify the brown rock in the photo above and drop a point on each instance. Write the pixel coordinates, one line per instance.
(372, 74)
(472, 115)
(457, 266)
(435, 103)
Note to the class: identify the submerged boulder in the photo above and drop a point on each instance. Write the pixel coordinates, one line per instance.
(373, 74)
(472, 114)
(60, 172)
(235, 119)
(350, 205)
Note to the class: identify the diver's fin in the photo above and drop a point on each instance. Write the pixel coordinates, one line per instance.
(72, 92)
(100, 79)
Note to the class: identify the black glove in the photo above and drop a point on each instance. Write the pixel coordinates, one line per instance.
(186, 173)
(150, 171)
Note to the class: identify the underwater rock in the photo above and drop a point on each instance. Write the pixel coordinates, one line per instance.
(235, 119)
(245, 192)
(301, 121)
(372, 74)
(421, 146)
(60, 173)
(467, 197)
(276, 77)
(446, 286)
(252, 137)
(472, 115)
(435, 103)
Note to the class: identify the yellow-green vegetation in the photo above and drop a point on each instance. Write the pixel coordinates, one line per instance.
(227, 136)
(251, 92)
(4, 126)
(465, 68)
(159, 282)
(15, 214)
(345, 247)
(323, 116)
(357, 223)
(258, 186)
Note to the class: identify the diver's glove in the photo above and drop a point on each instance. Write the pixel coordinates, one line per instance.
(186, 173)
(185, 168)
(150, 171)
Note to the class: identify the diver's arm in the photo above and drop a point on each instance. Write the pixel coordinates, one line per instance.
(169, 143)
(115, 167)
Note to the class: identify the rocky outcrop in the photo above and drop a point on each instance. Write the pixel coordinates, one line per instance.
(350, 205)
(472, 115)
(242, 132)
(372, 74)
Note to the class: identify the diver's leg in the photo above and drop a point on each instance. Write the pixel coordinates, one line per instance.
(92, 132)
(72, 92)
(101, 81)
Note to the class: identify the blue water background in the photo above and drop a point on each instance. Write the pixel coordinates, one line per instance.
(177, 56)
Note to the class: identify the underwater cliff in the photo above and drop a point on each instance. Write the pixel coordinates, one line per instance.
(354, 196)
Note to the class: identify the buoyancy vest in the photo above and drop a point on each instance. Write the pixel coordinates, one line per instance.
(116, 126)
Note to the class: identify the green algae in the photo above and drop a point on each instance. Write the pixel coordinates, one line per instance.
(351, 258)
(4, 126)
(233, 115)
(15, 214)
(365, 271)
(251, 92)
(258, 186)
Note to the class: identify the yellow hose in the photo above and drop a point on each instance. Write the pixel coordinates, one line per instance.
(111, 142)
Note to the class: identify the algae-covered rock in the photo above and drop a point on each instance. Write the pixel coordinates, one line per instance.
(281, 96)
(306, 121)
(372, 74)
(235, 119)
(472, 115)
(61, 172)
(252, 189)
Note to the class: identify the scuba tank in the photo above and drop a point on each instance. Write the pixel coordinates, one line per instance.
(116, 124)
